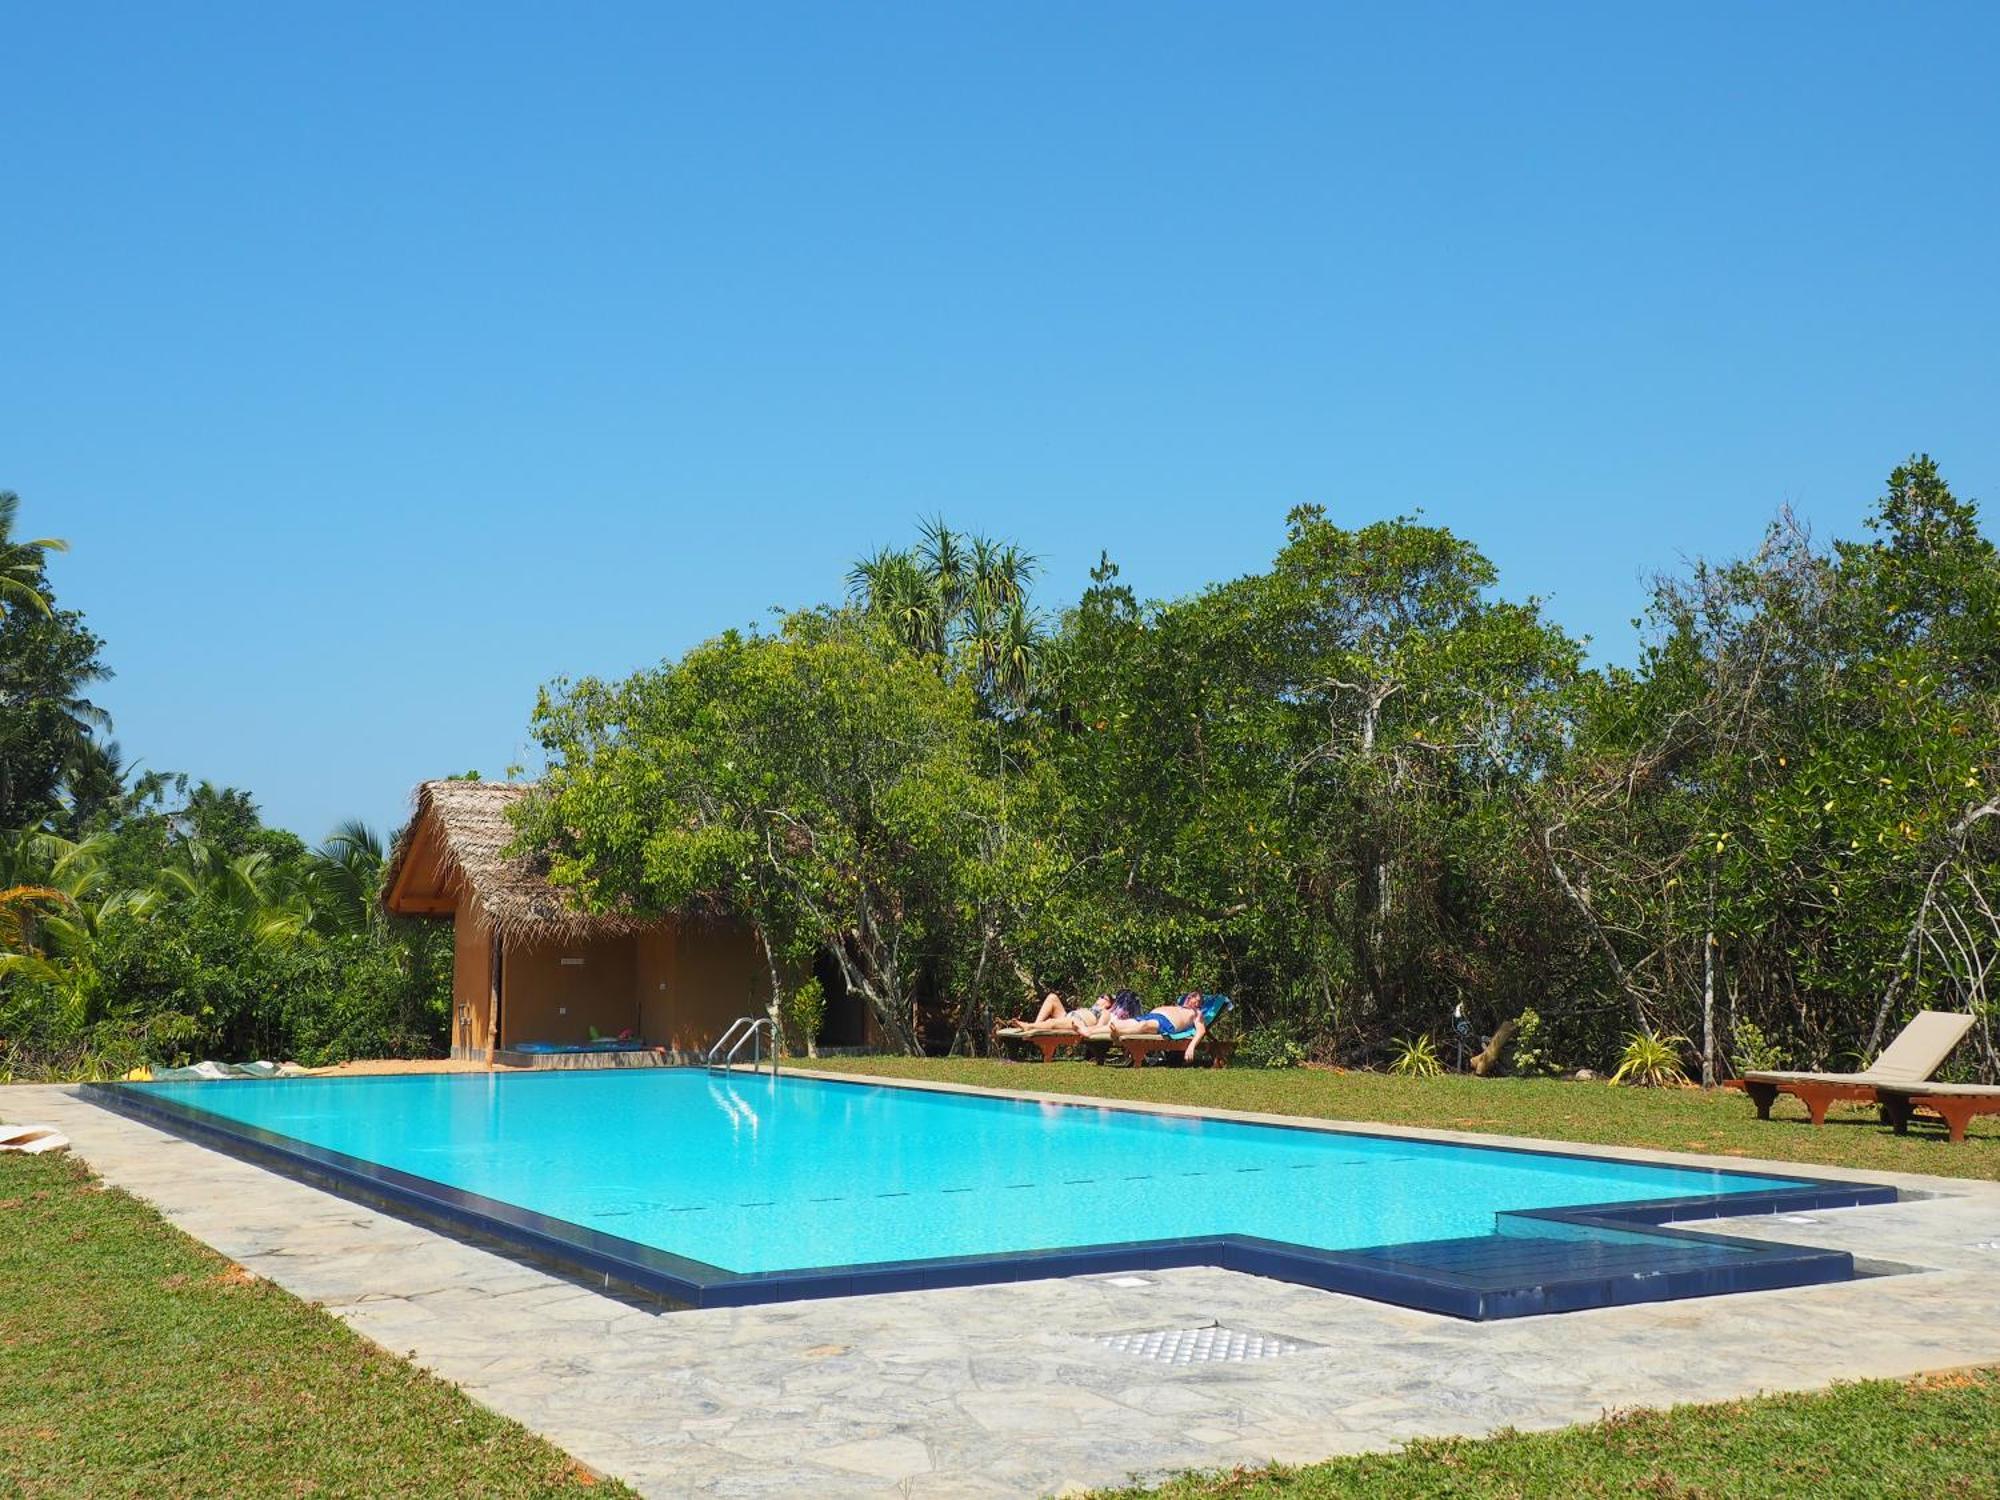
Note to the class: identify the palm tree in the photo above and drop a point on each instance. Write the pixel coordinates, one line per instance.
(344, 879)
(248, 890)
(894, 586)
(21, 563)
(961, 600)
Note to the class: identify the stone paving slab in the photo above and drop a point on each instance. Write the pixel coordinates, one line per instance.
(1002, 1390)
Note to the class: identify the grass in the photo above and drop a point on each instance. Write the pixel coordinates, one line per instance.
(1933, 1438)
(1721, 1122)
(135, 1361)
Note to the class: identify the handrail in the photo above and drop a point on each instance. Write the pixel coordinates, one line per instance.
(743, 1029)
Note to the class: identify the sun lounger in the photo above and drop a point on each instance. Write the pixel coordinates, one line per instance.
(1050, 1042)
(1954, 1103)
(1138, 1048)
(1918, 1051)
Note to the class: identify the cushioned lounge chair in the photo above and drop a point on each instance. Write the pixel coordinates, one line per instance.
(1954, 1103)
(1138, 1048)
(1918, 1051)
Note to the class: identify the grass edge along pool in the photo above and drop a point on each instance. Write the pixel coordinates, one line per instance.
(1534, 1260)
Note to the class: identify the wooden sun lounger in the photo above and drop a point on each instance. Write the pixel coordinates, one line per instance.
(1048, 1042)
(1918, 1051)
(1955, 1103)
(1138, 1048)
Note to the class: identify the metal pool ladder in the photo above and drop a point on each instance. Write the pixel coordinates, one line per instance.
(750, 1029)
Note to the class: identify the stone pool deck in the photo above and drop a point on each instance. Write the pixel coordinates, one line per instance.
(1010, 1390)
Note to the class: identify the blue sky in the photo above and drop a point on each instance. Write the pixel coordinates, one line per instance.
(383, 362)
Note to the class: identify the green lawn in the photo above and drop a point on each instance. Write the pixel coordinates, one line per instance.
(1722, 1121)
(1930, 1438)
(134, 1361)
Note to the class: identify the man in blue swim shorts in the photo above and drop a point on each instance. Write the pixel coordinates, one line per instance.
(1166, 1021)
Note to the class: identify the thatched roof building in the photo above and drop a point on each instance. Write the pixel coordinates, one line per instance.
(457, 842)
(533, 978)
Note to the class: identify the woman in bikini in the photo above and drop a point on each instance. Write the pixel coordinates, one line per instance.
(1055, 1016)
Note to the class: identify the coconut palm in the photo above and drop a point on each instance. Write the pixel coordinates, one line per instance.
(248, 891)
(21, 563)
(344, 879)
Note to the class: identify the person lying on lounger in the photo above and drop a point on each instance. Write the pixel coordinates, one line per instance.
(1055, 1016)
(1164, 1021)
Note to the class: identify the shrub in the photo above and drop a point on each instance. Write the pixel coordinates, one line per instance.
(1528, 1057)
(803, 1011)
(1651, 1061)
(1756, 1052)
(1414, 1057)
(1274, 1046)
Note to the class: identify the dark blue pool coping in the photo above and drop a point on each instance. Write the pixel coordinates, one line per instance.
(1536, 1260)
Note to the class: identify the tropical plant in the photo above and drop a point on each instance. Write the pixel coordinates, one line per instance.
(22, 562)
(1528, 1055)
(1277, 1045)
(1756, 1053)
(343, 880)
(1414, 1057)
(47, 661)
(962, 602)
(1651, 1061)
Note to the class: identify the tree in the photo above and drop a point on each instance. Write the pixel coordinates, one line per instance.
(1777, 818)
(961, 602)
(344, 880)
(1306, 784)
(22, 564)
(823, 783)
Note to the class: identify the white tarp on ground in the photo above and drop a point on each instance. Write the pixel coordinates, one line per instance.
(32, 1140)
(214, 1070)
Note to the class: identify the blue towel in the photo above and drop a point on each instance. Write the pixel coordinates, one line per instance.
(1211, 1007)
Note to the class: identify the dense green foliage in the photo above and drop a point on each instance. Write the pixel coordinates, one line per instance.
(1363, 791)
(139, 1363)
(150, 919)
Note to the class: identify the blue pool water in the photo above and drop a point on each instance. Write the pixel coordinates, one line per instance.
(772, 1175)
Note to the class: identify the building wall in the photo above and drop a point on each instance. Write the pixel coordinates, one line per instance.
(697, 978)
(556, 991)
(471, 981)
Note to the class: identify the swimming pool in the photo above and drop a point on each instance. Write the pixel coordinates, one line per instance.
(730, 1188)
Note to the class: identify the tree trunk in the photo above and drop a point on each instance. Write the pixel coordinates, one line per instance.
(1708, 947)
(1486, 1062)
(1582, 903)
(777, 1009)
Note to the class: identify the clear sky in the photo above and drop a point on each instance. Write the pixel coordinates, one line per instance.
(382, 362)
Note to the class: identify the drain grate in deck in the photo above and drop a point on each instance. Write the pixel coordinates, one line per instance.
(1212, 1344)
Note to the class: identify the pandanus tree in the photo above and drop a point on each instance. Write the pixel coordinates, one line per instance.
(960, 600)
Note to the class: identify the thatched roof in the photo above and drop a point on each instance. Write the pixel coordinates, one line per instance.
(456, 840)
